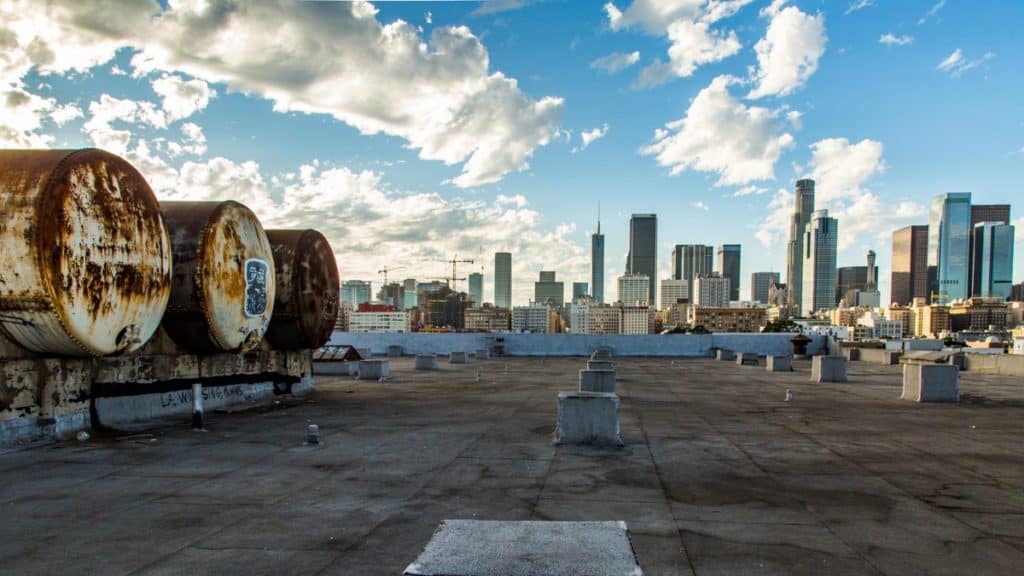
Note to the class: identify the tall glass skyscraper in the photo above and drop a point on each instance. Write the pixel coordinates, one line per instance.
(949, 247)
(503, 279)
(992, 273)
(729, 267)
(690, 261)
(597, 263)
(476, 288)
(819, 264)
(803, 207)
(643, 249)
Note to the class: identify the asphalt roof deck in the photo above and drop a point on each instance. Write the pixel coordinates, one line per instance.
(719, 475)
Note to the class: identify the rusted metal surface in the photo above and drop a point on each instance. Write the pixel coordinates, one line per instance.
(85, 259)
(222, 288)
(306, 306)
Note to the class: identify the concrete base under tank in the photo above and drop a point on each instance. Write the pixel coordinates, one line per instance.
(55, 398)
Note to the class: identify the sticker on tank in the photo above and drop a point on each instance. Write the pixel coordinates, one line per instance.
(255, 287)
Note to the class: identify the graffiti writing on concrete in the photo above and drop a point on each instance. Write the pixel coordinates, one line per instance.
(184, 397)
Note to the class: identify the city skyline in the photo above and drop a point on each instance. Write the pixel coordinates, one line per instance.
(375, 141)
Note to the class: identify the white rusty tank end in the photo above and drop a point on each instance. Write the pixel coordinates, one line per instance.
(85, 258)
(223, 288)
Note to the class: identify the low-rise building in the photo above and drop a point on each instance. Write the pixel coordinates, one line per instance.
(902, 314)
(488, 318)
(978, 314)
(930, 320)
(378, 322)
(533, 318)
(719, 319)
(876, 327)
(604, 319)
(637, 320)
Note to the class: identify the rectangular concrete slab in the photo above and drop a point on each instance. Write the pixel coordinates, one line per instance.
(588, 418)
(426, 362)
(527, 548)
(779, 363)
(335, 368)
(373, 369)
(458, 358)
(597, 381)
(931, 383)
(600, 365)
(746, 358)
(724, 355)
(828, 369)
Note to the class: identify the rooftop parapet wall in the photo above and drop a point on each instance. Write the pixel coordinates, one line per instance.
(674, 345)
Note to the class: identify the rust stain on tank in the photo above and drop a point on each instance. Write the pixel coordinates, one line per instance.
(308, 288)
(84, 231)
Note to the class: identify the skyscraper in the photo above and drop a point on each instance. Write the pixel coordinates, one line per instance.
(803, 207)
(819, 266)
(643, 249)
(355, 292)
(909, 265)
(579, 290)
(503, 279)
(711, 291)
(476, 288)
(548, 291)
(672, 291)
(997, 213)
(597, 263)
(409, 299)
(729, 267)
(992, 262)
(761, 285)
(690, 261)
(634, 288)
(949, 240)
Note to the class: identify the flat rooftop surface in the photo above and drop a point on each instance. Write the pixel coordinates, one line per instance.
(719, 475)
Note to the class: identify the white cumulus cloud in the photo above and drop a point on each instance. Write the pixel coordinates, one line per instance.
(722, 135)
(182, 98)
(588, 137)
(616, 61)
(789, 52)
(890, 39)
(437, 93)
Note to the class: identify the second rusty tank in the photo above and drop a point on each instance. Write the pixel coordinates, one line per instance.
(85, 260)
(222, 287)
(308, 289)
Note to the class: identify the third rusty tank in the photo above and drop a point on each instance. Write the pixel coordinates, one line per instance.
(222, 287)
(308, 288)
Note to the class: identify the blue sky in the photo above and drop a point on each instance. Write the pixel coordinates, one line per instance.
(410, 131)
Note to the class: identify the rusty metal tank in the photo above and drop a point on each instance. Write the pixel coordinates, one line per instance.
(306, 306)
(85, 259)
(222, 287)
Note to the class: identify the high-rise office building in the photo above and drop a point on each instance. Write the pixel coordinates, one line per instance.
(548, 291)
(819, 266)
(712, 291)
(795, 254)
(997, 213)
(580, 290)
(949, 241)
(690, 261)
(409, 294)
(761, 285)
(853, 279)
(643, 249)
(476, 288)
(729, 267)
(909, 265)
(992, 262)
(503, 279)
(634, 288)
(597, 263)
(672, 291)
(1017, 292)
(355, 292)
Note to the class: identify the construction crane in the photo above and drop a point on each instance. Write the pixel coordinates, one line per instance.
(385, 271)
(454, 262)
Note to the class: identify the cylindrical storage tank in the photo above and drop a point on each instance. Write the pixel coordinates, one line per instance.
(222, 288)
(85, 259)
(306, 305)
